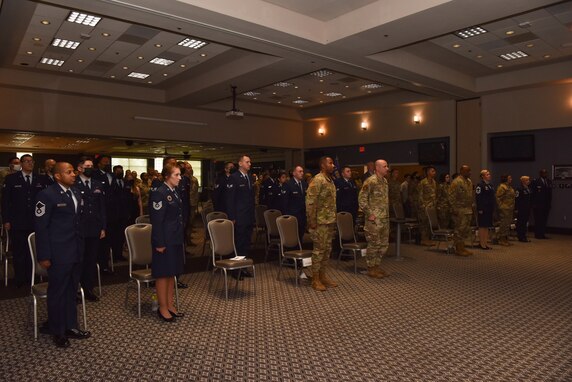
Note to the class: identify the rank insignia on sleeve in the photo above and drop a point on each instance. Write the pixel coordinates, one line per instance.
(40, 209)
(158, 205)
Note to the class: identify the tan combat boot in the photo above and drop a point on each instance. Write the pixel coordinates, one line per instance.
(382, 272)
(461, 251)
(317, 284)
(374, 273)
(328, 282)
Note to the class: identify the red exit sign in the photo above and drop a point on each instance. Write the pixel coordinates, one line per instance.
(362, 149)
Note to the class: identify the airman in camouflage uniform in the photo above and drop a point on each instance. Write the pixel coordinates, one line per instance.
(427, 190)
(461, 196)
(394, 188)
(321, 213)
(443, 202)
(374, 202)
(505, 202)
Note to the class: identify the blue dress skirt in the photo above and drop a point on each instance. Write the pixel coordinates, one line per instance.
(169, 263)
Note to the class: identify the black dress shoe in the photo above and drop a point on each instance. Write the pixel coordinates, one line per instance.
(45, 329)
(168, 319)
(61, 341)
(182, 285)
(90, 296)
(78, 334)
(178, 314)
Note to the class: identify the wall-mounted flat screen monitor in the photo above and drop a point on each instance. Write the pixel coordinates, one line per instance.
(432, 153)
(512, 148)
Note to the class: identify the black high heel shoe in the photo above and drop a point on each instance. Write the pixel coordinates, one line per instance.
(168, 319)
(178, 314)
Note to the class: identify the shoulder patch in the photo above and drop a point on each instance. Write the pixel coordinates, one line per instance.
(169, 198)
(478, 190)
(158, 205)
(40, 209)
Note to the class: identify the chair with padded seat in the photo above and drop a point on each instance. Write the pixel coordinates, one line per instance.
(204, 212)
(221, 232)
(272, 235)
(260, 224)
(288, 232)
(138, 237)
(349, 246)
(410, 224)
(437, 233)
(40, 290)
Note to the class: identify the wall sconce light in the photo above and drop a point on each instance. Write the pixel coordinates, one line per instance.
(364, 125)
(417, 119)
(322, 130)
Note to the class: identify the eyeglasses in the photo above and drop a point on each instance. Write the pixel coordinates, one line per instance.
(27, 161)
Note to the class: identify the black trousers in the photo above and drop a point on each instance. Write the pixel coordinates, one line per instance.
(116, 232)
(103, 252)
(521, 220)
(540, 219)
(89, 268)
(21, 254)
(62, 291)
(242, 238)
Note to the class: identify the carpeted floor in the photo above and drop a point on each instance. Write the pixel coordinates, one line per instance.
(502, 315)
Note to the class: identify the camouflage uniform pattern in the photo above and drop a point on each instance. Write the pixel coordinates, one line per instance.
(461, 197)
(321, 213)
(413, 198)
(505, 202)
(427, 190)
(374, 200)
(444, 205)
(394, 192)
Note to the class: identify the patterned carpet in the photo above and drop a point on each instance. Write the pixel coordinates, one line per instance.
(502, 315)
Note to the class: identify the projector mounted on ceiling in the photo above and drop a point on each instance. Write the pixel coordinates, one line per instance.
(234, 113)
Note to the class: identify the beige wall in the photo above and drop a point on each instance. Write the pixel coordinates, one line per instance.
(469, 136)
(46, 112)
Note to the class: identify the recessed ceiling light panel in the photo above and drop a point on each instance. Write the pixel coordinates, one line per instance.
(333, 94)
(300, 101)
(283, 84)
(513, 55)
(321, 73)
(372, 86)
(470, 32)
(68, 44)
(251, 94)
(192, 43)
(161, 61)
(138, 75)
(83, 18)
(51, 61)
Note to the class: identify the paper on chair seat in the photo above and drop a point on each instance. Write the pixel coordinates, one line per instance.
(307, 262)
(238, 258)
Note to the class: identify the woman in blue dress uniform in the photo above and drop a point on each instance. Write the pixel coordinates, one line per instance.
(166, 213)
(485, 198)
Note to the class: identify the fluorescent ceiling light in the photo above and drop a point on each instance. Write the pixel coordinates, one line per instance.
(333, 94)
(299, 101)
(161, 61)
(372, 86)
(251, 94)
(514, 55)
(83, 18)
(138, 75)
(470, 32)
(321, 73)
(51, 61)
(283, 84)
(192, 43)
(68, 44)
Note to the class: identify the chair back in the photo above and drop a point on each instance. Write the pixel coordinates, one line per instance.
(138, 237)
(221, 232)
(270, 217)
(204, 212)
(259, 215)
(288, 230)
(143, 219)
(398, 210)
(216, 215)
(432, 217)
(345, 223)
(37, 269)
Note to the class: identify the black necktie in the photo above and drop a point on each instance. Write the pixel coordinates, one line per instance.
(68, 193)
(301, 188)
(87, 184)
(247, 180)
(28, 180)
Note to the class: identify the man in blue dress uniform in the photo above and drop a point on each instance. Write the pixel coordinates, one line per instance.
(346, 193)
(59, 246)
(93, 222)
(240, 206)
(296, 199)
(18, 200)
(219, 193)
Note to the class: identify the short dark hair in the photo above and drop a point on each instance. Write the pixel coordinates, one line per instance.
(26, 156)
(427, 168)
(82, 160)
(242, 156)
(504, 178)
(323, 159)
(12, 158)
(393, 170)
(344, 167)
(117, 166)
(442, 177)
(168, 169)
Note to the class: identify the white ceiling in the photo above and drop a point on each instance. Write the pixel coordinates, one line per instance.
(323, 10)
